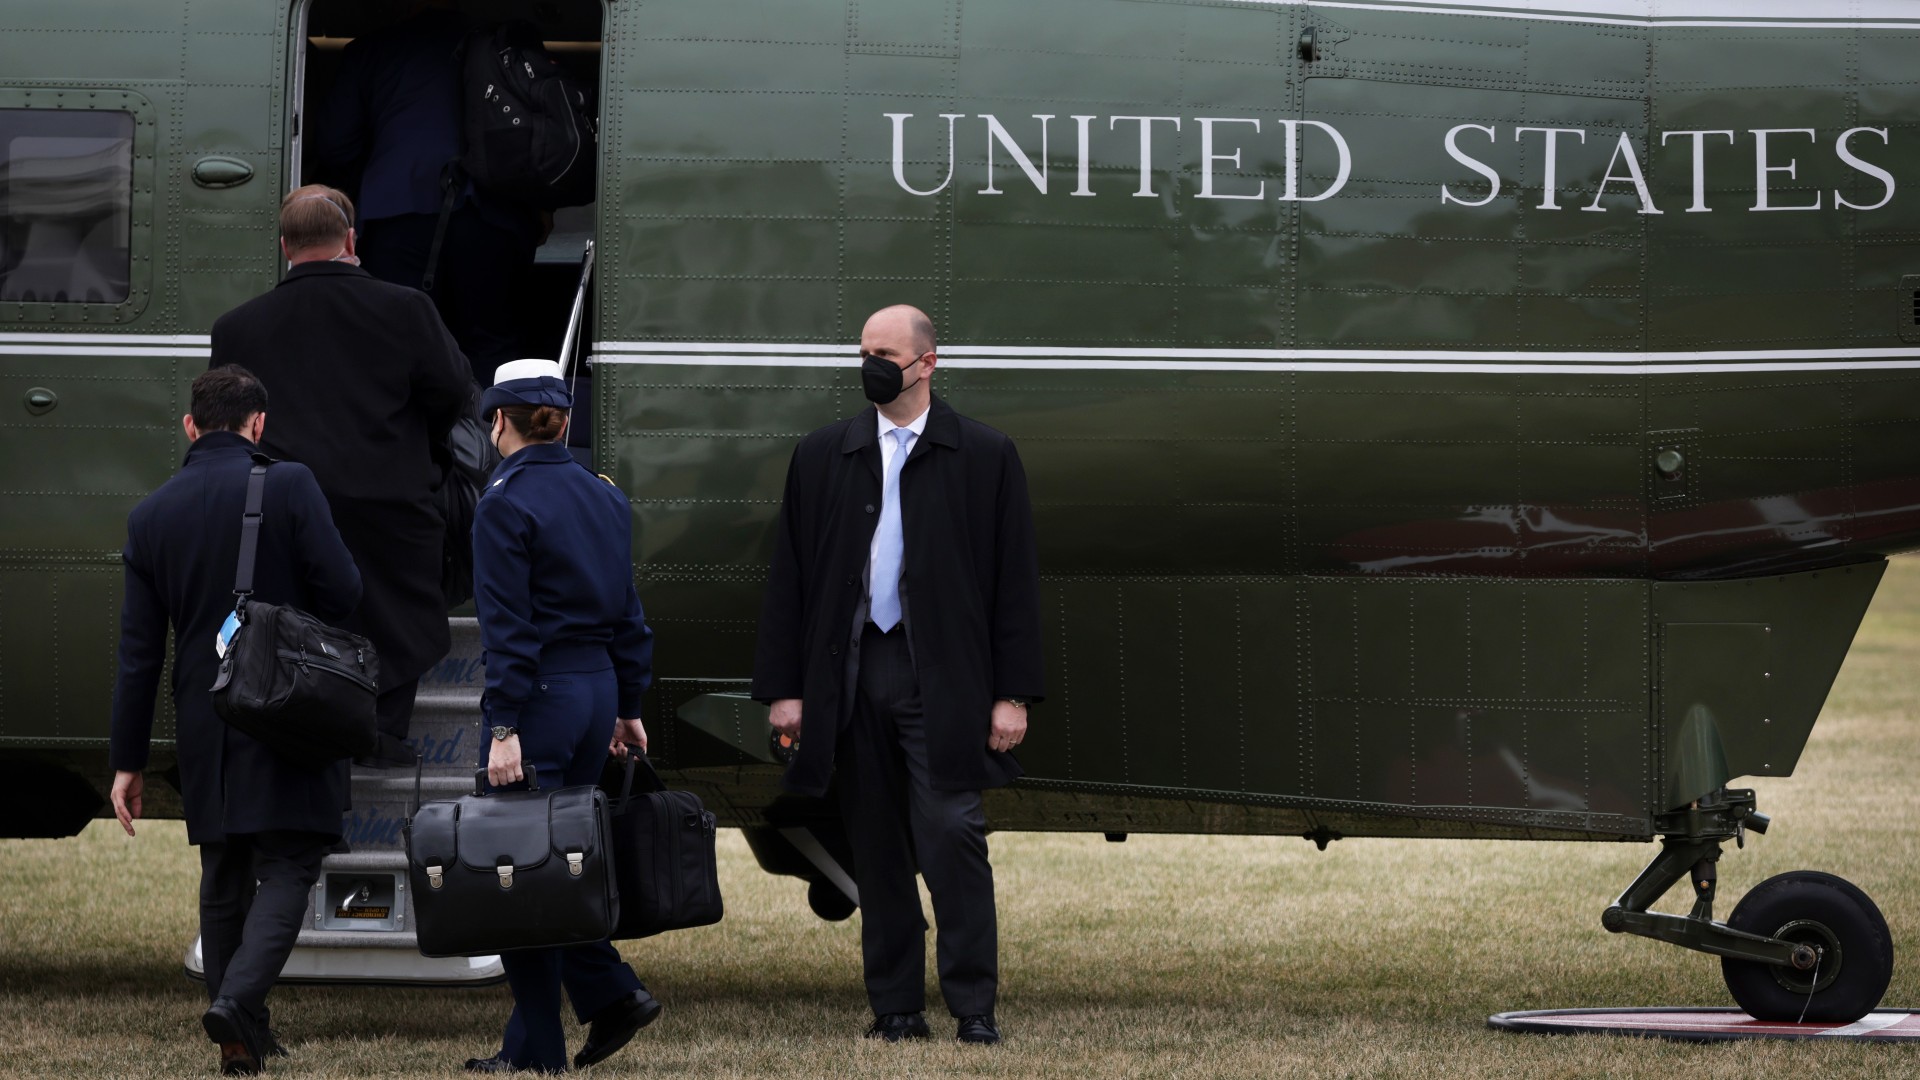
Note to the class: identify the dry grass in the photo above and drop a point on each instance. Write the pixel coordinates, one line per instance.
(1163, 957)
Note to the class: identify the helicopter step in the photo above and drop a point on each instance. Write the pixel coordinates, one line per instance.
(359, 926)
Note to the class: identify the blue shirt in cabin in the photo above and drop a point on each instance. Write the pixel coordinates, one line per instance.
(553, 581)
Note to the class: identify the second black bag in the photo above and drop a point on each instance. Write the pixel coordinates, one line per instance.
(303, 688)
(663, 844)
(466, 461)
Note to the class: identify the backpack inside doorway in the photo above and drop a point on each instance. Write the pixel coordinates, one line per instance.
(529, 129)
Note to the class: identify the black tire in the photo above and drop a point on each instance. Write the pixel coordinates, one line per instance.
(1830, 913)
(828, 902)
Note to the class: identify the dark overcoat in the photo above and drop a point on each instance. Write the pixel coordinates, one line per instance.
(363, 380)
(970, 585)
(183, 542)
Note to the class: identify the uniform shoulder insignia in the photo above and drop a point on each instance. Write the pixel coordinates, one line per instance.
(607, 478)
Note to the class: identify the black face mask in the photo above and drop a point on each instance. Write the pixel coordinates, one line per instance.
(881, 379)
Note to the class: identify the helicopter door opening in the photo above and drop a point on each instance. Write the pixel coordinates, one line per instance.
(375, 120)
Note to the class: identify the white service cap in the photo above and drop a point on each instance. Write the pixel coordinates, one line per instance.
(526, 369)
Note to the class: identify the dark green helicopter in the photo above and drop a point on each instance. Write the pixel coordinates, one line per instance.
(1463, 418)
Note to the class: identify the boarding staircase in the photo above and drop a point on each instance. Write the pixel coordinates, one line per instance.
(360, 919)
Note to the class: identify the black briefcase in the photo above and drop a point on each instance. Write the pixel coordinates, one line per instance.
(303, 688)
(511, 870)
(664, 857)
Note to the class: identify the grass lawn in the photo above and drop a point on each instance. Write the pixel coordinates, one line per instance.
(1160, 957)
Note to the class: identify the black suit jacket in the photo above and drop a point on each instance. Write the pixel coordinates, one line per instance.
(363, 382)
(183, 542)
(971, 585)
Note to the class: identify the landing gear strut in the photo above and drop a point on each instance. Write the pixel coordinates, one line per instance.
(1802, 945)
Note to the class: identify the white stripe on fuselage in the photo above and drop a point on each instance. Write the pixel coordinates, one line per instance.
(1781, 14)
(1077, 358)
(1413, 361)
(202, 341)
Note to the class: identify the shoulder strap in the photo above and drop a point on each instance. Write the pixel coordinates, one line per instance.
(453, 181)
(250, 525)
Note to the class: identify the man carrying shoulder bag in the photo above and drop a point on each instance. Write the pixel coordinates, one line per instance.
(262, 823)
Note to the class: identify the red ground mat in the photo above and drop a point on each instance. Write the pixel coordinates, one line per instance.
(1707, 1025)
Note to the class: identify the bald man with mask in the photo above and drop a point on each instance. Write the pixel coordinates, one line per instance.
(900, 643)
(366, 381)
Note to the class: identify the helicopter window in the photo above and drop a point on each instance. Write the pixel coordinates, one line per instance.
(66, 206)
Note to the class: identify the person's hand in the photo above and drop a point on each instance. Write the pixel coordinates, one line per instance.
(784, 715)
(628, 733)
(1009, 726)
(503, 762)
(127, 788)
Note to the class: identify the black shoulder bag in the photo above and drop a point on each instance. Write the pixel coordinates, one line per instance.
(303, 688)
(663, 844)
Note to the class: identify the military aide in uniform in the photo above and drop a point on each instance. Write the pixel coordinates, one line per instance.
(262, 825)
(568, 656)
(900, 640)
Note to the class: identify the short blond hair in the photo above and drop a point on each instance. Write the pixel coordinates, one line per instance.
(315, 215)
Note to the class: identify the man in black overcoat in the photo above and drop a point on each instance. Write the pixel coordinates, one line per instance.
(900, 642)
(366, 381)
(254, 817)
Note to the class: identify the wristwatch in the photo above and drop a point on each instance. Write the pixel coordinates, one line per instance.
(1016, 702)
(502, 733)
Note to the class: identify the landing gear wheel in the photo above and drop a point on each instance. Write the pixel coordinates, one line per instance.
(828, 902)
(1837, 919)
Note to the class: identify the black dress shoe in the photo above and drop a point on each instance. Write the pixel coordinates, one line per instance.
(235, 1062)
(241, 1047)
(978, 1029)
(896, 1026)
(494, 1064)
(616, 1024)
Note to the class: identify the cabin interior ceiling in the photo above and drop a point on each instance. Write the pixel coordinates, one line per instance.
(558, 20)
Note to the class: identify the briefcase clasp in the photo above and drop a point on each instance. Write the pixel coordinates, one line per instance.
(505, 870)
(574, 861)
(435, 876)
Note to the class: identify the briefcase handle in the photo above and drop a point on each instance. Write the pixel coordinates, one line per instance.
(626, 786)
(479, 783)
(480, 779)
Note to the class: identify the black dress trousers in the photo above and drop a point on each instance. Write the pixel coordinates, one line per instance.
(253, 896)
(893, 814)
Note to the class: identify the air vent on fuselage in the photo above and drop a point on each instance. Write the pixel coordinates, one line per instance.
(1910, 308)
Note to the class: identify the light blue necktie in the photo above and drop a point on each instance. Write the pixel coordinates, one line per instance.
(885, 609)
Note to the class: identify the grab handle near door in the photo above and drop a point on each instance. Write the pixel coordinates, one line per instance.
(571, 342)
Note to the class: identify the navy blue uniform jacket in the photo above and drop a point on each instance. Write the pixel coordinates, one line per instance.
(970, 586)
(183, 542)
(553, 581)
